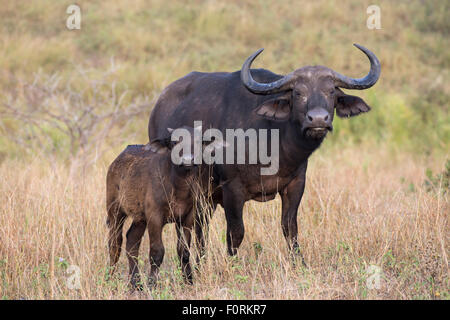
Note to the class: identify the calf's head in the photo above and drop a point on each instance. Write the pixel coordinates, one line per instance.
(309, 95)
(180, 145)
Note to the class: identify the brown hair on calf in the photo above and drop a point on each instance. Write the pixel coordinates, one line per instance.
(144, 184)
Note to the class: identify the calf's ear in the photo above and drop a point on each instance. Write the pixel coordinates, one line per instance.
(349, 106)
(157, 146)
(278, 109)
(161, 145)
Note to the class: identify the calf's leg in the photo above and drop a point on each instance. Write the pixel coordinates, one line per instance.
(201, 226)
(156, 256)
(134, 237)
(184, 229)
(115, 221)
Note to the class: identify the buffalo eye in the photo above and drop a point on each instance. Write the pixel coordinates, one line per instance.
(300, 95)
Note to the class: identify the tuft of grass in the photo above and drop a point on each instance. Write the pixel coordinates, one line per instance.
(440, 181)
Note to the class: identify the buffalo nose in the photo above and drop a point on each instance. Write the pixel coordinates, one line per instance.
(318, 117)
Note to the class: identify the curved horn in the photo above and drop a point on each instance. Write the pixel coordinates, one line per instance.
(257, 87)
(361, 83)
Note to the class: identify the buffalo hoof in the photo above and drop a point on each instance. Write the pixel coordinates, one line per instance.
(297, 257)
(136, 283)
(152, 281)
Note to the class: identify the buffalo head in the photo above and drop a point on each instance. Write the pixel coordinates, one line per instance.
(310, 94)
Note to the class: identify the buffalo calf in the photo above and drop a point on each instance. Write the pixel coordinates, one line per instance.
(145, 185)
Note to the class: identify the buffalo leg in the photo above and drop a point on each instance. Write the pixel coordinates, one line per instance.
(184, 230)
(155, 226)
(134, 237)
(201, 226)
(291, 196)
(233, 205)
(115, 221)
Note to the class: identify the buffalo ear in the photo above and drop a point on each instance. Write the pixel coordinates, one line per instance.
(349, 106)
(159, 145)
(278, 109)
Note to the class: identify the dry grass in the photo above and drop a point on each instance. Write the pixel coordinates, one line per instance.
(362, 207)
(365, 202)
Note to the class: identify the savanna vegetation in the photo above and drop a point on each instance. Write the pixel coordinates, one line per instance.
(377, 190)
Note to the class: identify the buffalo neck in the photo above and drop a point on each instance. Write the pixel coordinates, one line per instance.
(295, 148)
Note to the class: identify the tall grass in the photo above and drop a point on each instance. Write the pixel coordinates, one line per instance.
(361, 208)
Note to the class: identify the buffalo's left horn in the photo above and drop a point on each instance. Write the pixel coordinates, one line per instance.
(361, 83)
(267, 88)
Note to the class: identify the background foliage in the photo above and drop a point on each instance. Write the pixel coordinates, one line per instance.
(152, 43)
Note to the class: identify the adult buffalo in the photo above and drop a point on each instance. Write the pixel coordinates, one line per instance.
(300, 105)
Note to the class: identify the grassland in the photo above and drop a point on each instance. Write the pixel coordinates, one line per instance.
(377, 190)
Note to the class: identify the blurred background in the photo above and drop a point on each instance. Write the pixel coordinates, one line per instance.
(126, 52)
(377, 190)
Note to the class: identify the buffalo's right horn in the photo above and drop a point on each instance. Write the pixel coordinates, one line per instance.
(361, 83)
